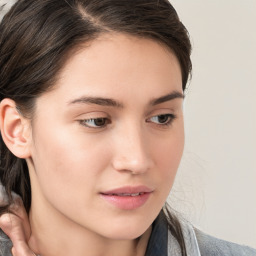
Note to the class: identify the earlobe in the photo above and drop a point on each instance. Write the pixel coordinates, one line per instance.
(14, 129)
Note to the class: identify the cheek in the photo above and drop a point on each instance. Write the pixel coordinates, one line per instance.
(168, 155)
(171, 149)
(67, 165)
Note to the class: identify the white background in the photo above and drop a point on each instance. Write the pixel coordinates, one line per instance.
(216, 185)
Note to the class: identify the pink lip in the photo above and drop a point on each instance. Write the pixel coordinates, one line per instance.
(123, 198)
(129, 190)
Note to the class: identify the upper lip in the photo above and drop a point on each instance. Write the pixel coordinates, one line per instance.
(129, 190)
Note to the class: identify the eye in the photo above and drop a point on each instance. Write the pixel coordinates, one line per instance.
(165, 119)
(95, 122)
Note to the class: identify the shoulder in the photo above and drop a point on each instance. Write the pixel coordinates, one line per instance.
(5, 245)
(197, 243)
(211, 246)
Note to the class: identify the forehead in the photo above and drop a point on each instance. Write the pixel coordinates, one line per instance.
(115, 63)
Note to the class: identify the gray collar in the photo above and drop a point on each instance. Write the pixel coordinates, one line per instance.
(163, 243)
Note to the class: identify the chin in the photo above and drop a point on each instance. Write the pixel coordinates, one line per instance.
(126, 232)
(128, 226)
(126, 235)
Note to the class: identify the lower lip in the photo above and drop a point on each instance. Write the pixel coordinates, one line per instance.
(127, 202)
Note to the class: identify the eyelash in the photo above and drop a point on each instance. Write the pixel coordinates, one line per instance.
(104, 119)
(169, 119)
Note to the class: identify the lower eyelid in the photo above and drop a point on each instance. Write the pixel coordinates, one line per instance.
(170, 116)
(83, 122)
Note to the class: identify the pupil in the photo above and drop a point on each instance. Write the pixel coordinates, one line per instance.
(100, 121)
(162, 118)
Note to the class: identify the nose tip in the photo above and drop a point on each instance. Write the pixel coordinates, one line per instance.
(132, 165)
(132, 156)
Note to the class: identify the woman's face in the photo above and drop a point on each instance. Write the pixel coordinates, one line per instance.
(107, 141)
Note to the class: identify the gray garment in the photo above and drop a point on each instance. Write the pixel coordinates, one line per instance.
(200, 244)
(197, 244)
(211, 246)
(5, 245)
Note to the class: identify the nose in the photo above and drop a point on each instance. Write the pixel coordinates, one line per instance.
(132, 151)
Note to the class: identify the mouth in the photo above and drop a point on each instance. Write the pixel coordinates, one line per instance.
(127, 198)
(126, 194)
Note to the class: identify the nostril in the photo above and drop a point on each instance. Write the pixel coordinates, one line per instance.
(133, 165)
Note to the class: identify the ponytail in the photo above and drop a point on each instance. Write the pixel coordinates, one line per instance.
(14, 177)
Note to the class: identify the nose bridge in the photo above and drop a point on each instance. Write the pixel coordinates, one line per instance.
(132, 153)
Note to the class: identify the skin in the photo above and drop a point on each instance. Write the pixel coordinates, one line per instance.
(17, 227)
(72, 159)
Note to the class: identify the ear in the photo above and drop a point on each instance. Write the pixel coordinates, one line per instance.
(15, 129)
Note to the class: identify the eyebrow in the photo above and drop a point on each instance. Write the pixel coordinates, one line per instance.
(98, 101)
(168, 97)
(114, 103)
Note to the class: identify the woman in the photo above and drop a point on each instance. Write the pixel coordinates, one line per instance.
(92, 126)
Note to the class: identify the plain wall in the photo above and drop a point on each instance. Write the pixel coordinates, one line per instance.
(216, 184)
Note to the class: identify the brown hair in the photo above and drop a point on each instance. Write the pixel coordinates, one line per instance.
(37, 37)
